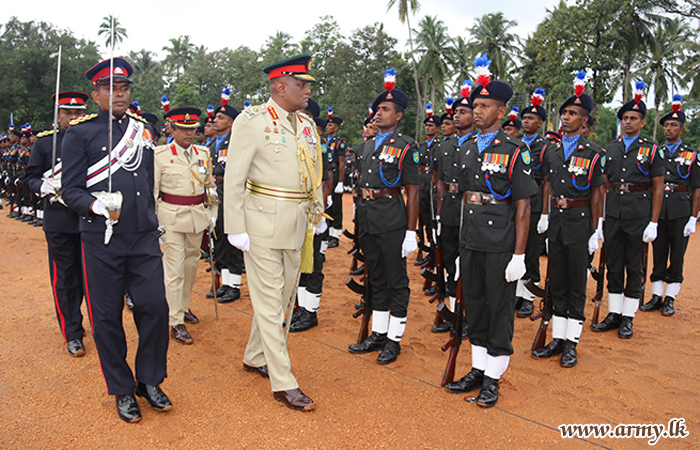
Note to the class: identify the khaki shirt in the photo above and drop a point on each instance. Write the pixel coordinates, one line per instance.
(174, 176)
(263, 149)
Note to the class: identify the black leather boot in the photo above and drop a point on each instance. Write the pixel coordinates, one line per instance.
(668, 309)
(611, 322)
(653, 304)
(568, 357)
(556, 347)
(374, 343)
(625, 331)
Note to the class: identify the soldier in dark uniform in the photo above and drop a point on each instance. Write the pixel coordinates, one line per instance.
(512, 126)
(533, 117)
(448, 165)
(24, 195)
(61, 224)
(387, 225)
(587, 126)
(447, 127)
(635, 170)
(573, 173)
(228, 258)
(679, 212)
(426, 189)
(129, 259)
(336, 149)
(496, 179)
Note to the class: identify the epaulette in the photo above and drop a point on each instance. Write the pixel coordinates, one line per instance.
(160, 148)
(201, 148)
(83, 119)
(134, 116)
(253, 111)
(45, 133)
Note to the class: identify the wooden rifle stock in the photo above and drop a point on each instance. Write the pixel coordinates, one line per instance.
(645, 262)
(365, 310)
(600, 285)
(544, 313)
(455, 341)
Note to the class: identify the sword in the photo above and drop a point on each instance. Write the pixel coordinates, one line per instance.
(55, 183)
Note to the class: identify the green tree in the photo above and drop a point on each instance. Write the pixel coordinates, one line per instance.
(180, 54)
(459, 60)
(106, 30)
(433, 68)
(278, 47)
(491, 34)
(148, 84)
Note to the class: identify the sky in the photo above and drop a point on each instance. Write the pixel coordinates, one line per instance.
(214, 24)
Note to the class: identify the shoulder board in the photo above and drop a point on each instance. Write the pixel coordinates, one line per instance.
(160, 148)
(201, 148)
(134, 116)
(45, 133)
(253, 111)
(83, 119)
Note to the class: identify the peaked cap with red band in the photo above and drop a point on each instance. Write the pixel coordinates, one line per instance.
(296, 67)
(184, 116)
(99, 73)
(70, 99)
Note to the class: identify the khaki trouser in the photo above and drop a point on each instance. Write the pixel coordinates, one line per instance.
(272, 277)
(180, 261)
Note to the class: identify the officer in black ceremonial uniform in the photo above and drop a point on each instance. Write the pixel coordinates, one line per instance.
(60, 223)
(573, 174)
(228, 258)
(336, 149)
(496, 179)
(387, 225)
(635, 170)
(533, 116)
(679, 212)
(130, 259)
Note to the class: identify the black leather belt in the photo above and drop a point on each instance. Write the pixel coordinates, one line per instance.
(379, 193)
(568, 203)
(670, 187)
(452, 187)
(480, 198)
(630, 187)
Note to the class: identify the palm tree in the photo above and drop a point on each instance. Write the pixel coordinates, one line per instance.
(459, 60)
(278, 47)
(404, 7)
(432, 41)
(180, 54)
(490, 35)
(106, 29)
(665, 59)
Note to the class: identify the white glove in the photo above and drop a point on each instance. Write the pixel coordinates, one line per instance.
(458, 269)
(339, 188)
(439, 226)
(543, 223)
(329, 201)
(99, 208)
(599, 230)
(409, 244)
(593, 244)
(650, 232)
(690, 226)
(516, 268)
(213, 221)
(47, 189)
(321, 227)
(241, 241)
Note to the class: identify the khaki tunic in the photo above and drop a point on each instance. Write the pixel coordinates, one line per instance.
(264, 149)
(184, 224)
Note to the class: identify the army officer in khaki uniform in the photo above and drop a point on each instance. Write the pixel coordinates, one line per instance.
(182, 172)
(273, 206)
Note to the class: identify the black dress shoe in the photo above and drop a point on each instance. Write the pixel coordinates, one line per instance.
(465, 330)
(232, 294)
(420, 262)
(190, 317)
(488, 395)
(76, 348)
(553, 348)
(653, 304)
(333, 242)
(374, 343)
(667, 309)
(155, 396)
(611, 322)
(432, 290)
(518, 302)
(295, 399)
(525, 309)
(305, 321)
(262, 370)
(444, 327)
(568, 357)
(473, 380)
(625, 331)
(359, 271)
(391, 351)
(223, 289)
(128, 408)
(39, 223)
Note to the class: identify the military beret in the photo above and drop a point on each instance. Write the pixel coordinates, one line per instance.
(435, 120)
(313, 108)
(334, 119)
(320, 122)
(676, 111)
(535, 105)
(150, 117)
(579, 98)
(227, 110)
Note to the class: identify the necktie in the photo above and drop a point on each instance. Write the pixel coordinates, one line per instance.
(293, 122)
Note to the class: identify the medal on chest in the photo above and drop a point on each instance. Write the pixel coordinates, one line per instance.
(643, 154)
(579, 166)
(389, 154)
(495, 162)
(310, 136)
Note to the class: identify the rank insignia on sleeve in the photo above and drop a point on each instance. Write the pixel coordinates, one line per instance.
(526, 156)
(661, 152)
(416, 157)
(602, 161)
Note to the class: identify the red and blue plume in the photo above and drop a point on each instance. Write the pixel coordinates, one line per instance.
(449, 101)
(246, 104)
(371, 111)
(138, 108)
(389, 79)
(225, 96)
(537, 97)
(29, 127)
(483, 74)
(210, 111)
(429, 110)
(12, 125)
(676, 104)
(330, 113)
(579, 83)
(639, 91)
(165, 102)
(466, 88)
(513, 113)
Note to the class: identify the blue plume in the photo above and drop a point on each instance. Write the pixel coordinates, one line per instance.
(677, 98)
(639, 85)
(540, 91)
(581, 74)
(482, 61)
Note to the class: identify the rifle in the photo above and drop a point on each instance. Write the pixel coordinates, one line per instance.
(214, 286)
(365, 310)
(355, 250)
(645, 262)
(599, 276)
(545, 312)
(456, 318)
(438, 278)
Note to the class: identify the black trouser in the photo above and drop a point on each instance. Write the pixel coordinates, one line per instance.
(489, 300)
(669, 239)
(623, 253)
(132, 262)
(227, 256)
(314, 281)
(336, 209)
(66, 272)
(387, 271)
(533, 250)
(568, 275)
(449, 238)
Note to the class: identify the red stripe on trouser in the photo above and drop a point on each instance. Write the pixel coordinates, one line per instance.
(55, 298)
(89, 303)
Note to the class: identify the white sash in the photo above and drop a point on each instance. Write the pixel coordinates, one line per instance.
(126, 154)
